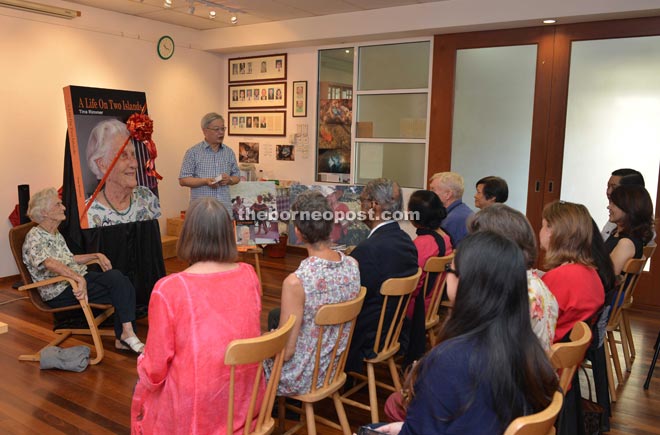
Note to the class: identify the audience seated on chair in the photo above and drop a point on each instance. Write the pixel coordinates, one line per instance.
(388, 252)
(514, 225)
(193, 316)
(324, 277)
(631, 209)
(449, 186)
(46, 255)
(566, 237)
(487, 350)
(427, 213)
(490, 190)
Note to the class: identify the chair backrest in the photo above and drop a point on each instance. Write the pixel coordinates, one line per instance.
(251, 351)
(649, 250)
(435, 265)
(631, 272)
(402, 289)
(342, 315)
(541, 423)
(16, 240)
(567, 356)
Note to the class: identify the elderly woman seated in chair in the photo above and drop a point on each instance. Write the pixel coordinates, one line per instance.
(46, 255)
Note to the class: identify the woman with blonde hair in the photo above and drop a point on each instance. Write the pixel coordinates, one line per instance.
(193, 316)
(566, 237)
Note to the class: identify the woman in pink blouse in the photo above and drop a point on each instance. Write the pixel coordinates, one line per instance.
(193, 315)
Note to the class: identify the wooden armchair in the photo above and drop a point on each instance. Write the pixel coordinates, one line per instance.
(567, 356)
(386, 345)
(251, 351)
(648, 250)
(435, 265)
(16, 240)
(343, 315)
(631, 272)
(541, 423)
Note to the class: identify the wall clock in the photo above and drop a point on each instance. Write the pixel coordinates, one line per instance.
(165, 47)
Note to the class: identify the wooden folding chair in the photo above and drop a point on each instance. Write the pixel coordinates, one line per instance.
(255, 351)
(631, 272)
(16, 240)
(386, 345)
(435, 265)
(541, 423)
(342, 315)
(648, 251)
(567, 356)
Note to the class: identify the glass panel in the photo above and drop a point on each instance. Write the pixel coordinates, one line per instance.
(335, 109)
(392, 116)
(492, 126)
(395, 66)
(612, 118)
(402, 162)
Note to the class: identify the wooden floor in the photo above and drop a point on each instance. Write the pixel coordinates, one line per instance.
(97, 401)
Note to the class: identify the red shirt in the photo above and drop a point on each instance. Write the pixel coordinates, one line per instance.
(579, 293)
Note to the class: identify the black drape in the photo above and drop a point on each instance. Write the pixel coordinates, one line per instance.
(133, 248)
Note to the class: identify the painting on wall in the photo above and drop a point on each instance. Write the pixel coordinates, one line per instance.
(254, 211)
(248, 152)
(345, 201)
(285, 152)
(260, 68)
(334, 141)
(257, 96)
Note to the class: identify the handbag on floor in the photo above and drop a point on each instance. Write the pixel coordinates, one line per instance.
(591, 411)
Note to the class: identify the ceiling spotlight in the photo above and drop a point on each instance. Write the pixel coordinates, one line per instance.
(167, 4)
(191, 10)
(348, 51)
(212, 15)
(234, 19)
(550, 21)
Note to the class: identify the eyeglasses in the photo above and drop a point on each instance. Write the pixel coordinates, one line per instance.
(217, 129)
(451, 270)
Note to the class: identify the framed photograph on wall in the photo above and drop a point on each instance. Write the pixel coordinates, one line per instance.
(257, 96)
(299, 99)
(257, 69)
(257, 123)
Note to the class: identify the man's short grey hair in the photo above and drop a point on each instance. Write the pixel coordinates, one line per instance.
(452, 181)
(386, 192)
(40, 203)
(210, 117)
(100, 141)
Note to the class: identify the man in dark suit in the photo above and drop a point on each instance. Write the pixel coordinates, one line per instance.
(388, 252)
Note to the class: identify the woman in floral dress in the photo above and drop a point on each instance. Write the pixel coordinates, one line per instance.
(325, 277)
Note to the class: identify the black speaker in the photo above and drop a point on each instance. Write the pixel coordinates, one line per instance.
(23, 200)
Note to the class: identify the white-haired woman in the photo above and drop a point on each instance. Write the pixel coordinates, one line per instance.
(46, 255)
(121, 200)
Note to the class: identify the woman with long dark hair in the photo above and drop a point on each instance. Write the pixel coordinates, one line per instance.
(631, 209)
(489, 367)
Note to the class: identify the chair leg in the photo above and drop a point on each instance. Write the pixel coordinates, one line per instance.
(631, 342)
(341, 414)
(373, 398)
(610, 376)
(98, 344)
(655, 360)
(396, 380)
(615, 356)
(309, 416)
(281, 412)
(625, 345)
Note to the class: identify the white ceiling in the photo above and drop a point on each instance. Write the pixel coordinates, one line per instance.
(247, 11)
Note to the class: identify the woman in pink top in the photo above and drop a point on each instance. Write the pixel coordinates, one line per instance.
(193, 315)
(566, 237)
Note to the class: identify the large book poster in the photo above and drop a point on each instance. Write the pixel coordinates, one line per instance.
(96, 120)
